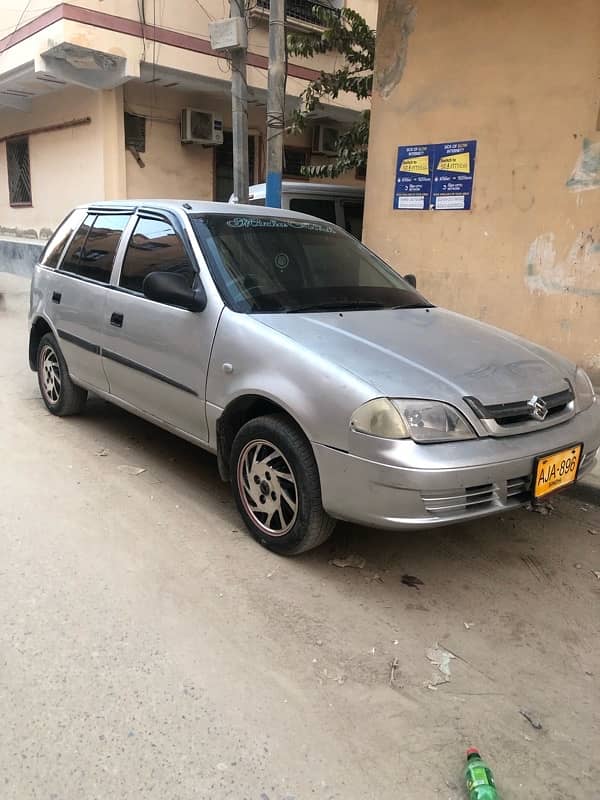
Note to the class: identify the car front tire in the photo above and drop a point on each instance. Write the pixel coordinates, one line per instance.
(61, 396)
(276, 486)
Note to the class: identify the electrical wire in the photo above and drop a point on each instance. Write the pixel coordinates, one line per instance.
(38, 11)
(142, 16)
(22, 14)
(142, 111)
(208, 14)
(153, 41)
(153, 55)
(250, 6)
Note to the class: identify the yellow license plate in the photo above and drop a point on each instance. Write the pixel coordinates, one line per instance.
(556, 470)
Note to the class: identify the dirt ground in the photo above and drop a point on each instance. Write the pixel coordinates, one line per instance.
(150, 649)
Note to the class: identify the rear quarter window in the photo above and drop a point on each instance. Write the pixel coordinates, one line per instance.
(58, 241)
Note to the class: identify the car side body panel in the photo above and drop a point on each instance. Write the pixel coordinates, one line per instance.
(249, 358)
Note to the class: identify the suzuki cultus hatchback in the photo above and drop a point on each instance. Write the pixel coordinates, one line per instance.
(325, 384)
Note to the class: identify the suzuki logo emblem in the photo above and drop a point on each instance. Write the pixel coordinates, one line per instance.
(538, 408)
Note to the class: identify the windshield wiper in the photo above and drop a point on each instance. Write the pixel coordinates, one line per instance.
(336, 305)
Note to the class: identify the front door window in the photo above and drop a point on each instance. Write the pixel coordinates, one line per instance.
(154, 247)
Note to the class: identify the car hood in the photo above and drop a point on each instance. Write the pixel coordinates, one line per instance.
(429, 353)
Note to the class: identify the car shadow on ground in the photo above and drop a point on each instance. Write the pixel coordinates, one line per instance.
(495, 539)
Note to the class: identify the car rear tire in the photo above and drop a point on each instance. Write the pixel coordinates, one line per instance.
(61, 396)
(276, 486)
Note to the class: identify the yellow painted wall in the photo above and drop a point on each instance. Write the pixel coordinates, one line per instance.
(521, 79)
(87, 163)
(96, 151)
(67, 166)
(172, 170)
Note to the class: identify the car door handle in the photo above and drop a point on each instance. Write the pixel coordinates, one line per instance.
(116, 320)
(56, 297)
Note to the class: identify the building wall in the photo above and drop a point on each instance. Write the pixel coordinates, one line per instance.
(90, 162)
(180, 17)
(521, 79)
(172, 170)
(67, 166)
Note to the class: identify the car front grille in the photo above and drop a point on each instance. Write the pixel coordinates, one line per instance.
(518, 488)
(459, 500)
(504, 419)
(473, 499)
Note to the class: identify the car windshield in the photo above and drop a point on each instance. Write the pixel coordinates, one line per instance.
(271, 264)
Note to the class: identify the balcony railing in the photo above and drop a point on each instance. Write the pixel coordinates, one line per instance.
(302, 10)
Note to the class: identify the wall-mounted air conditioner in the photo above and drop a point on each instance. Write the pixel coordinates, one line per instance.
(324, 139)
(201, 127)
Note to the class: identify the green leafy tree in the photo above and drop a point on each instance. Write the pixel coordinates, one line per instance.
(347, 33)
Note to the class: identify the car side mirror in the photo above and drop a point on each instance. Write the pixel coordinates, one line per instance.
(411, 279)
(173, 290)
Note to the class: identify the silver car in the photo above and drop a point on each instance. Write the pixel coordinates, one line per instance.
(325, 384)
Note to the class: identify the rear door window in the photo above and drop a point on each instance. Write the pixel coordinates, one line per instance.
(154, 247)
(317, 207)
(92, 252)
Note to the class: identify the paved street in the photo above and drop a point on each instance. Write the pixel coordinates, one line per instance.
(150, 649)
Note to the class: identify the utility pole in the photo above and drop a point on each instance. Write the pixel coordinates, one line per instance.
(275, 102)
(239, 110)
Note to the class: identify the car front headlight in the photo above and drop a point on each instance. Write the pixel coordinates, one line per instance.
(424, 421)
(380, 418)
(585, 395)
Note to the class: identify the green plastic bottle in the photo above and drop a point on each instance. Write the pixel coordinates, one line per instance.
(480, 781)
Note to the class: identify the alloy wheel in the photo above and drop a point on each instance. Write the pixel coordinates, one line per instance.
(267, 487)
(50, 375)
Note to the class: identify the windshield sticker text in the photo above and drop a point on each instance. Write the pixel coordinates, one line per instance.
(268, 222)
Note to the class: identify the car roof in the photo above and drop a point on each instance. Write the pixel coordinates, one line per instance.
(258, 191)
(191, 207)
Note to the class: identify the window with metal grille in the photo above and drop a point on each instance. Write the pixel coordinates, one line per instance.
(19, 174)
(294, 158)
(303, 10)
(135, 132)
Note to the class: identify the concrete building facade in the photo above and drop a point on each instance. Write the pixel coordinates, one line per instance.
(522, 79)
(79, 80)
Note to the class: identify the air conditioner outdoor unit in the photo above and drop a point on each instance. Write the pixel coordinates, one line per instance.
(201, 127)
(324, 139)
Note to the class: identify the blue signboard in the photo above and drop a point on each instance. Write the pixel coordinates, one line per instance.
(454, 165)
(436, 176)
(413, 177)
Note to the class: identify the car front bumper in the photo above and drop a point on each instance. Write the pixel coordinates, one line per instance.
(403, 485)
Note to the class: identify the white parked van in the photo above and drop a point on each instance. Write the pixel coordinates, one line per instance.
(342, 205)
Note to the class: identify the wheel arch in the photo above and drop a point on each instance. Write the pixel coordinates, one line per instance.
(38, 329)
(239, 411)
